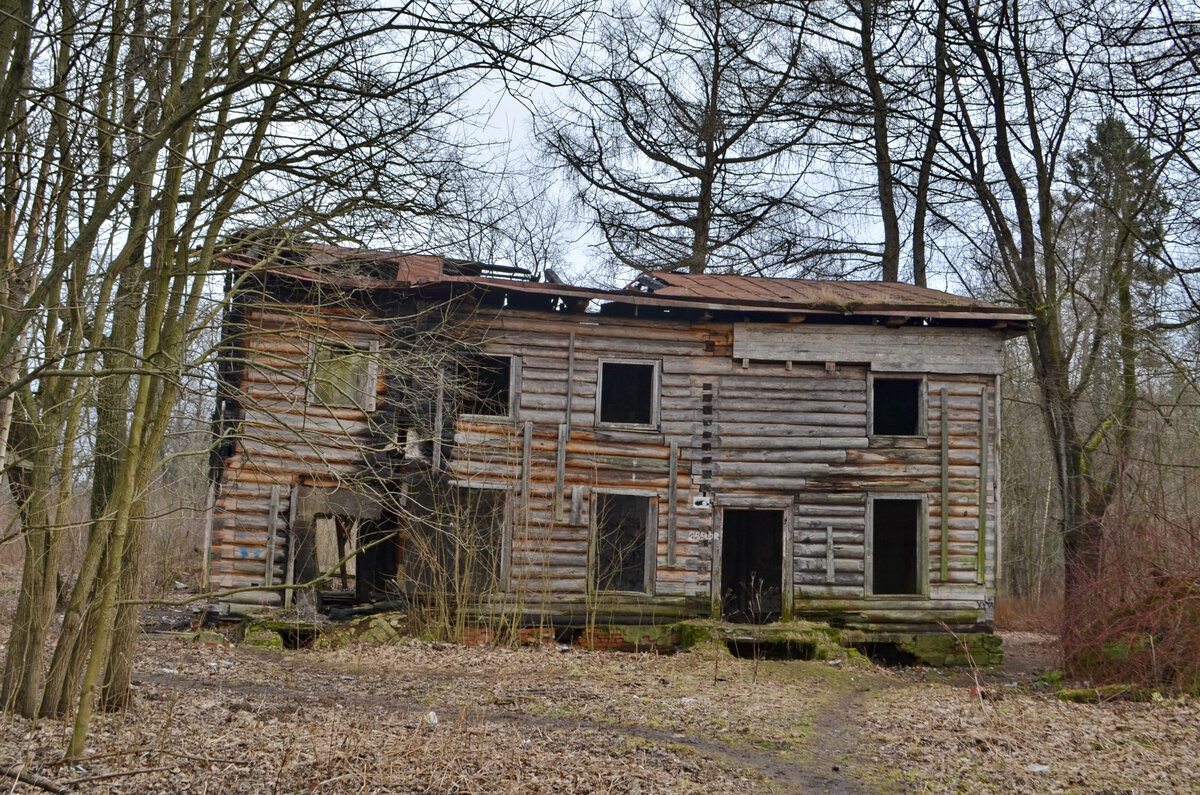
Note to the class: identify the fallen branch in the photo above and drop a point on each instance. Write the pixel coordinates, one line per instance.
(18, 772)
(103, 776)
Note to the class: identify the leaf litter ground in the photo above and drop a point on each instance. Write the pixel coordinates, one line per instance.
(224, 719)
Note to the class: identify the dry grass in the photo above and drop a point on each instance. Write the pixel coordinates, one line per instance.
(226, 719)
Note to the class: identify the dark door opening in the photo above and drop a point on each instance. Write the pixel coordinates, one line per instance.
(895, 554)
(752, 566)
(379, 560)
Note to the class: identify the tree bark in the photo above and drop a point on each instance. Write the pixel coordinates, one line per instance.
(890, 261)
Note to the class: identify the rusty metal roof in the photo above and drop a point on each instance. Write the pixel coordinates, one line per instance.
(813, 294)
(364, 269)
(402, 267)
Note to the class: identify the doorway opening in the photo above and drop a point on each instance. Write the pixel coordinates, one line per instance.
(752, 566)
(895, 547)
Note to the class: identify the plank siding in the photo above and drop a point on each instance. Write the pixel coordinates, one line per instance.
(775, 421)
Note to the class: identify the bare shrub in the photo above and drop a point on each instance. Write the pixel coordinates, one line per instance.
(1137, 619)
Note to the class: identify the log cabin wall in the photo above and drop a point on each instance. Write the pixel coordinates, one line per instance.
(279, 441)
(743, 434)
(750, 416)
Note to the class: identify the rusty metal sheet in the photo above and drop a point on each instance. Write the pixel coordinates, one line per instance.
(847, 296)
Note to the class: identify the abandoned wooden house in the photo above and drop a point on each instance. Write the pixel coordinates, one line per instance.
(407, 428)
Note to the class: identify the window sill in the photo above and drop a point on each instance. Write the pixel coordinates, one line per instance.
(506, 419)
(890, 440)
(626, 426)
(622, 594)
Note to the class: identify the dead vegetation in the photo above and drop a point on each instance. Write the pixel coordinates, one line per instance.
(216, 718)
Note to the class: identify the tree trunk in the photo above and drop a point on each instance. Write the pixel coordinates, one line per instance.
(24, 671)
(924, 176)
(118, 673)
(890, 261)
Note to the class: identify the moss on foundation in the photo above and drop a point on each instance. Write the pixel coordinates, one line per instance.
(943, 650)
(817, 641)
(261, 638)
(384, 629)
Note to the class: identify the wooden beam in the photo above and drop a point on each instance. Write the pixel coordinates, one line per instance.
(436, 457)
(272, 531)
(829, 567)
(672, 500)
(981, 552)
(289, 578)
(210, 505)
(526, 467)
(576, 506)
(560, 470)
(570, 381)
(789, 566)
(945, 529)
(997, 526)
(714, 580)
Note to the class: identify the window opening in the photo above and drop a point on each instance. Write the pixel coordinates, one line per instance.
(341, 377)
(897, 406)
(627, 393)
(487, 390)
(621, 538)
(476, 521)
(895, 536)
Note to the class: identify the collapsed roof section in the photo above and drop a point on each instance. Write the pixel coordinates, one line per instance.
(666, 291)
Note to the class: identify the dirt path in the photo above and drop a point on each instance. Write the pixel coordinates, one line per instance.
(220, 719)
(826, 752)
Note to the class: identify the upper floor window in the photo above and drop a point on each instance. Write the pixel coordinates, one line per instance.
(344, 376)
(628, 394)
(488, 385)
(896, 406)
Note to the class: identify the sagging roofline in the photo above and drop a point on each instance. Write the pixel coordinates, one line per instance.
(428, 276)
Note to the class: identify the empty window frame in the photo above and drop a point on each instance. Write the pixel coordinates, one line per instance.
(897, 546)
(487, 385)
(455, 540)
(628, 394)
(896, 406)
(623, 556)
(476, 525)
(344, 376)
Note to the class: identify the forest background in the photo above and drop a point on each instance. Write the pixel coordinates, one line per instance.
(1042, 154)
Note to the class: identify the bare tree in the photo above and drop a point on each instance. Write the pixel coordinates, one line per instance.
(157, 129)
(685, 140)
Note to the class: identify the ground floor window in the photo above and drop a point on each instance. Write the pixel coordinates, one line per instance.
(475, 524)
(623, 554)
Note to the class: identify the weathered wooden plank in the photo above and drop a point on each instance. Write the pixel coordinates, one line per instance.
(272, 533)
(577, 505)
(560, 469)
(672, 503)
(904, 349)
(945, 562)
(293, 542)
(829, 552)
(981, 565)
